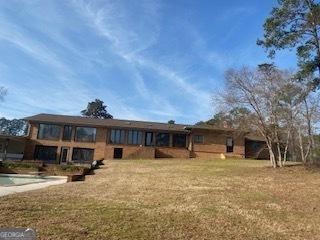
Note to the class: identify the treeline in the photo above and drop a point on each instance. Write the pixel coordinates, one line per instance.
(14, 127)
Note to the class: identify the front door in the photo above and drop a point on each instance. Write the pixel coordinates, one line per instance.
(64, 154)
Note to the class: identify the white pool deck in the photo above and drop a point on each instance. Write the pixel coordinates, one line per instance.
(51, 180)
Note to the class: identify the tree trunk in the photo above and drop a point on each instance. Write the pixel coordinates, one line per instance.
(271, 154)
(303, 159)
(279, 154)
(286, 146)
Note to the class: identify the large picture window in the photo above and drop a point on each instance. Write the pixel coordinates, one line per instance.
(85, 134)
(230, 145)
(67, 133)
(49, 131)
(179, 140)
(134, 137)
(117, 136)
(81, 155)
(163, 139)
(46, 153)
(149, 139)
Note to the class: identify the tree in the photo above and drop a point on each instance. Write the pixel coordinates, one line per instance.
(263, 92)
(96, 109)
(237, 118)
(15, 127)
(295, 24)
(306, 120)
(171, 121)
(3, 92)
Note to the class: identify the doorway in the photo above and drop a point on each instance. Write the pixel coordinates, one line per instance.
(64, 154)
(117, 154)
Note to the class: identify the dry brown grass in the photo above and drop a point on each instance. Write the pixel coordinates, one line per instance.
(174, 199)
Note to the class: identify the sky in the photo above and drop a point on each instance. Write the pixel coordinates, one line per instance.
(146, 59)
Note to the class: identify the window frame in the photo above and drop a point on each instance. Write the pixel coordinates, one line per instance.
(196, 140)
(152, 139)
(134, 140)
(229, 149)
(162, 133)
(45, 138)
(122, 136)
(76, 134)
(82, 161)
(63, 133)
(179, 134)
(36, 153)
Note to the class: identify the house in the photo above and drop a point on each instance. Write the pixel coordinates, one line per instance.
(62, 139)
(12, 147)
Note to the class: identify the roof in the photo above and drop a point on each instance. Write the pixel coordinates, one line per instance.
(213, 128)
(11, 137)
(85, 121)
(255, 137)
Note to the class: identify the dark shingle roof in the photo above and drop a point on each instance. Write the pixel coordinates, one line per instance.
(84, 121)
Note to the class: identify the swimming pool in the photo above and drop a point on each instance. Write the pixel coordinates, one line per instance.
(16, 183)
(7, 180)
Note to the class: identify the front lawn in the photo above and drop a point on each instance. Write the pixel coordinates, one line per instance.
(174, 199)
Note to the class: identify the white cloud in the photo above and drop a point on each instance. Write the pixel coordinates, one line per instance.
(130, 46)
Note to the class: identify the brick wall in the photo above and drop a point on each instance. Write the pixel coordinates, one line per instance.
(130, 152)
(166, 152)
(98, 146)
(215, 144)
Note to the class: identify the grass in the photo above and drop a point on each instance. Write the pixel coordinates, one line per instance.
(174, 199)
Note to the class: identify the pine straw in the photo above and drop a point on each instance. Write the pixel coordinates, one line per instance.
(174, 199)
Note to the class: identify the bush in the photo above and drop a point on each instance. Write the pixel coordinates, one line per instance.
(17, 165)
(70, 168)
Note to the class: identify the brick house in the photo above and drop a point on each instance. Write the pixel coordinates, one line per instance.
(62, 139)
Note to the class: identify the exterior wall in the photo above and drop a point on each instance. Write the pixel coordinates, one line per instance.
(98, 146)
(102, 148)
(166, 152)
(130, 152)
(214, 144)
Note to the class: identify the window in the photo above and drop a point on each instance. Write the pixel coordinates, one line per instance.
(163, 139)
(49, 132)
(80, 155)
(1, 147)
(179, 140)
(117, 136)
(117, 153)
(45, 153)
(85, 134)
(198, 139)
(229, 145)
(149, 139)
(67, 133)
(135, 137)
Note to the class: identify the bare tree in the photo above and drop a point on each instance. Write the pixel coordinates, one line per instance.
(265, 92)
(306, 120)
